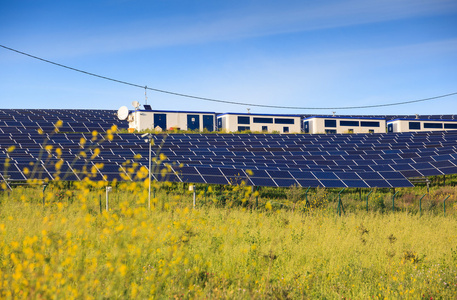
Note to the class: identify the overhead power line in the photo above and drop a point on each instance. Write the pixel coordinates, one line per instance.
(225, 101)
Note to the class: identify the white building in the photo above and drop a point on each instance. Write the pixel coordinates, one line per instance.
(232, 122)
(334, 124)
(407, 125)
(168, 120)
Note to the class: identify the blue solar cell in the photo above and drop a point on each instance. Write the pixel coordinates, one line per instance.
(281, 174)
(285, 182)
(379, 183)
(210, 179)
(355, 183)
(191, 178)
(309, 182)
(233, 172)
(391, 175)
(379, 168)
(257, 181)
(347, 175)
(441, 164)
(332, 183)
(442, 157)
(369, 175)
(411, 173)
(186, 171)
(302, 174)
(402, 167)
(400, 183)
(259, 173)
(430, 172)
(325, 175)
(448, 170)
(209, 171)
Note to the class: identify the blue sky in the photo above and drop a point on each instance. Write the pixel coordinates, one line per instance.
(289, 53)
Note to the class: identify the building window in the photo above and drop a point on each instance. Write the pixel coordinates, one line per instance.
(263, 120)
(330, 123)
(415, 125)
(450, 125)
(264, 128)
(349, 123)
(330, 130)
(306, 126)
(370, 130)
(285, 129)
(244, 120)
(433, 125)
(369, 124)
(243, 128)
(284, 121)
(350, 130)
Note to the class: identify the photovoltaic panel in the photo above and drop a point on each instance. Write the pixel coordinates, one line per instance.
(441, 164)
(347, 175)
(309, 182)
(391, 175)
(191, 178)
(324, 175)
(210, 179)
(302, 174)
(280, 174)
(411, 173)
(353, 183)
(378, 183)
(448, 170)
(259, 181)
(285, 182)
(400, 183)
(332, 183)
(369, 175)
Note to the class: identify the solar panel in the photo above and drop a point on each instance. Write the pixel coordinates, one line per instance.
(332, 183)
(408, 153)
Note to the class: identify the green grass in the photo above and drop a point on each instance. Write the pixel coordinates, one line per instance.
(68, 249)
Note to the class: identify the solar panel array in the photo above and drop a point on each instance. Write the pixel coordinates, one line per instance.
(330, 160)
(327, 160)
(74, 120)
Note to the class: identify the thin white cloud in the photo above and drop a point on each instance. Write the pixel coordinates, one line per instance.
(242, 23)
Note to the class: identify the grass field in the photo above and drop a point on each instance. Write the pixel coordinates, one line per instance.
(68, 249)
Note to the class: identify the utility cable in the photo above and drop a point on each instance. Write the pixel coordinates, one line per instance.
(225, 101)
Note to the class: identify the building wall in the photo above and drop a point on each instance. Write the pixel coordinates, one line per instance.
(143, 120)
(318, 125)
(258, 122)
(409, 125)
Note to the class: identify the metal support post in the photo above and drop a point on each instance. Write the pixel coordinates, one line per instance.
(393, 201)
(340, 203)
(108, 189)
(306, 198)
(192, 188)
(420, 204)
(367, 198)
(44, 189)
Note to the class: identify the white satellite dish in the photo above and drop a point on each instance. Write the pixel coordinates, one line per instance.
(136, 104)
(123, 113)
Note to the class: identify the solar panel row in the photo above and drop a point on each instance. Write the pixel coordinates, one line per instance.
(365, 160)
(74, 120)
